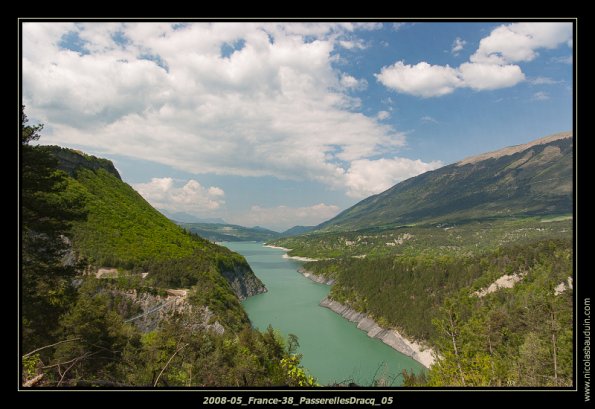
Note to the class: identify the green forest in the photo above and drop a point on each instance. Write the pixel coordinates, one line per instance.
(520, 336)
(423, 280)
(78, 330)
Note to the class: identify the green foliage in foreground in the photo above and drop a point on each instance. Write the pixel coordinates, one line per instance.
(103, 350)
(75, 331)
(516, 337)
(46, 215)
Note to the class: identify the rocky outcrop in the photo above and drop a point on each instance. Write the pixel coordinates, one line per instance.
(506, 281)
(563, 286)
(314, 277)
(392, 338)
(243, 281)
(155, 308)
(70, 161)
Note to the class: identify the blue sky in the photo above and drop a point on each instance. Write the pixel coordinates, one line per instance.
(282, 124)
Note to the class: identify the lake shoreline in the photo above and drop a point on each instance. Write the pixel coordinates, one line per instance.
(392, 338)
(276, 247)
(421, 353)
(315, 277)
(334, 350)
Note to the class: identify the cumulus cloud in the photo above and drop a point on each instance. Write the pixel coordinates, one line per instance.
(492, 66)
(367, 177)
(458, 45)
(249, 99)
(519, 42)
(490, 76)
(422, 79)
(191, 197)
(283, 217)
(351, 82)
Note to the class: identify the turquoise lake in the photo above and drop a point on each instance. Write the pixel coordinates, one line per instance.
(334, 349)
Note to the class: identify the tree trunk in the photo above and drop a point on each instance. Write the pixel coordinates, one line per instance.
(454, 345)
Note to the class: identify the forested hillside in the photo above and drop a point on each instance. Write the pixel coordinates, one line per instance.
(229, 232)
(97, 258)
(474, 259)
(505, 337)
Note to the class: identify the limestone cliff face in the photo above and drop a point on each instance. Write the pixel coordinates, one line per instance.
(70, 161)
(243, 281)
(316, 278)
(392, 338)
(152, 309)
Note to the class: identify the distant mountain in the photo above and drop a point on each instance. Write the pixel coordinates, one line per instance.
(295, 230)
(530, 179)
(230, 232)
(189, 218)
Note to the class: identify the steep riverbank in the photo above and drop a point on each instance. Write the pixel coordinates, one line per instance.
(291, 306)
(316, 278)
(392, 338)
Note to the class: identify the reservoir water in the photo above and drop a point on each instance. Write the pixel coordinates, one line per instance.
(334, 349)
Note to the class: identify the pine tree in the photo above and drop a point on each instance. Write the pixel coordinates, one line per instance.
(45, 215)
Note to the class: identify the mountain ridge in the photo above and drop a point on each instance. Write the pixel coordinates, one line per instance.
(510, 150)
(514, 181)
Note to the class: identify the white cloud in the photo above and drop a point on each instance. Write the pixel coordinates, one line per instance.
(542, 81)
(541, 96)
(283, 217)
(422, 79)
(353, 83)
(490, 76)
(428, 118)
(353, 44)
(398, 26)
(191, 197)
(275, 106)
(490, 67)
(367, 177)
(382, 115)
(458, 45)
(519, 42)
(367, 26)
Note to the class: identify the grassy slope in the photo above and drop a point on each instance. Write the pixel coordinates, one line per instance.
(536, 181)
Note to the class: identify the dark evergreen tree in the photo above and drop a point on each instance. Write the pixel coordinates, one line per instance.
(47, 267)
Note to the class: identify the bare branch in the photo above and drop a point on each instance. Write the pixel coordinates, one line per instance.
(49, 346)
(80, 358)
(31, 382)
(172, 357)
